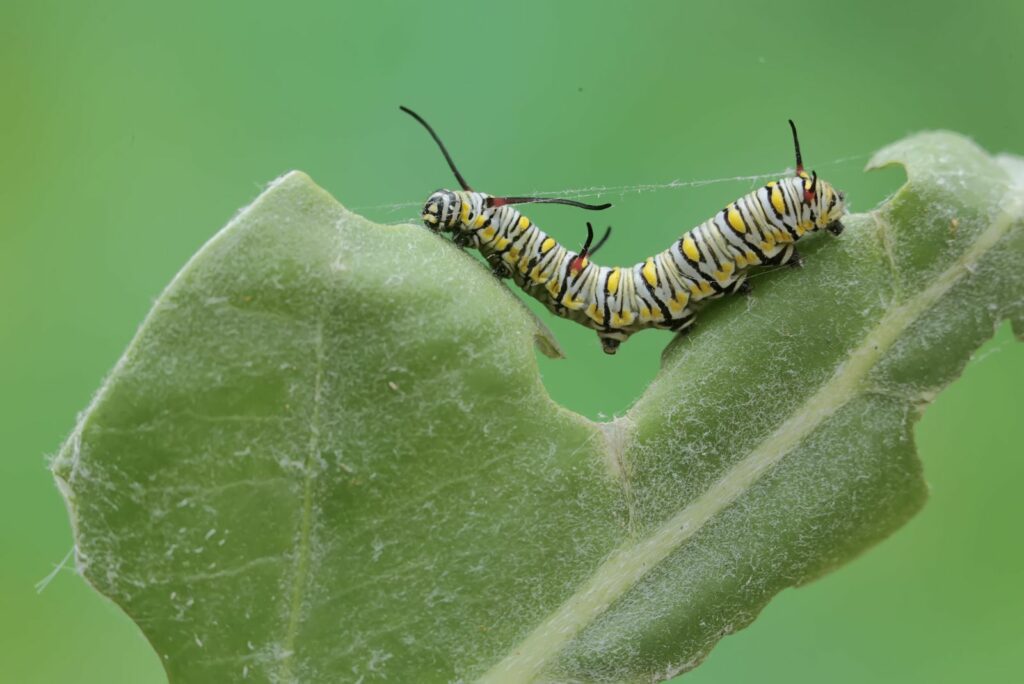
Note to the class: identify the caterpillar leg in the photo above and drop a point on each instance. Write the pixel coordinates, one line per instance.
(684, 325)
(611, 339)
(461, 240)
(741, 286)
(835, 227)
(498, 267)
(789, 256)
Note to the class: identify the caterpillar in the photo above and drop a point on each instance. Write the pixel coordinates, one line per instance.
(663, 291)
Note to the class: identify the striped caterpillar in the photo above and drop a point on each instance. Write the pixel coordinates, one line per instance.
(663, 291)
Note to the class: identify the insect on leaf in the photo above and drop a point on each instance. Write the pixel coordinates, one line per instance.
(328, 456)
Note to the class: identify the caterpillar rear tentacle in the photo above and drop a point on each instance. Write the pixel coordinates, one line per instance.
(663, 291)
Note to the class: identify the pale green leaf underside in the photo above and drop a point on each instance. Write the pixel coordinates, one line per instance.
(317, 461)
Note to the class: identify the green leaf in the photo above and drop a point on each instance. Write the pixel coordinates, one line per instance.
(328, 456)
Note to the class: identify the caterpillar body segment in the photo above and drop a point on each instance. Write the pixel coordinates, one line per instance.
(663, 291)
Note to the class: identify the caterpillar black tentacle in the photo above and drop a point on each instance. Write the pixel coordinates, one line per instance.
(665, 290)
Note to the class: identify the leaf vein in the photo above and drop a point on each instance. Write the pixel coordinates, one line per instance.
(300, 576)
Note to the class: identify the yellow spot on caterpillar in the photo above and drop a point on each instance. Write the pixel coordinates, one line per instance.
(777, 200)
(736, 221)
(752, 259)
(501, 243)
(723, 275)
(772, 184)
(674, 306)
(623, 319)
(741, 261)
(695, 291)
(571, 303)
(553, 286)
(547, 245)
(645, 313)
(464, 212)
(524, 223)
(705, 288)
(487, 233)
(513, 255)
(479, 221)
(690, 249)
(596, 314)
(613, 280)
(650, 274)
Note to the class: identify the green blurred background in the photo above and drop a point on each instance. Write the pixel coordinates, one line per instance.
(129, 133)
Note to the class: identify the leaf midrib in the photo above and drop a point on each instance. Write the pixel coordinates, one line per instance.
(300, 575)
(626, 566)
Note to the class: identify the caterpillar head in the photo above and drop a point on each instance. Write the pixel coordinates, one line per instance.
(441, 211)
(822, 204)
(827, 205)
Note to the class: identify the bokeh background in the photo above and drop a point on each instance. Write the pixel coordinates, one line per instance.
(130, 132)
